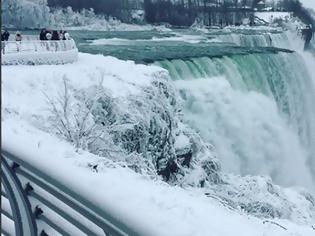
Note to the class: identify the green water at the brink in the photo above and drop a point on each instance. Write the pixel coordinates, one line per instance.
(151, 46)
(139, 46)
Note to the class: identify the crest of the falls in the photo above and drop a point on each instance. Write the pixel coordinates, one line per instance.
(257, 109)
(264, 39)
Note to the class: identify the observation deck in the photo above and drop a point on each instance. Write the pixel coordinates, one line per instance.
(32, 51)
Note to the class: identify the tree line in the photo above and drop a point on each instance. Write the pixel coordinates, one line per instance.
(299, 11)
(184, 12)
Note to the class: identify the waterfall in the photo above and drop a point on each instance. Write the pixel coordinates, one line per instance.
(289, 39)
(266, 39)
(256, 109)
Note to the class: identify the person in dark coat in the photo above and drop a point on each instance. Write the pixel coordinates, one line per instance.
(42, 35)
(307, 35)
(5, 35)
(55, 35)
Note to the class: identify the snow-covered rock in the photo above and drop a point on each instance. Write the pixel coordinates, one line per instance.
(114, 109)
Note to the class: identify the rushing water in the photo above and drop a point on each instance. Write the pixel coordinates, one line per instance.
(243, 90)
(256, 109)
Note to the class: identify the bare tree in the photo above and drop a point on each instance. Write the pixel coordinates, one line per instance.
(72, 119)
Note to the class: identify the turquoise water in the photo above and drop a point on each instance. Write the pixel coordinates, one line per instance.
(151, 46)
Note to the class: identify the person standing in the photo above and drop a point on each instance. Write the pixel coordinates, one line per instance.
(18, 39)
(307, 35)
(55, 35)
(2, 42)
(42, 35)
(18, 36)
(5, 35)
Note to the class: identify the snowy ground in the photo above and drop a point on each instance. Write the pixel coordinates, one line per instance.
(117, 26)
(151, 207)
(271, 16)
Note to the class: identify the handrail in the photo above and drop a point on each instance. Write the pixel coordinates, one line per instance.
(34, 46)
(21, 208)
(109, 224)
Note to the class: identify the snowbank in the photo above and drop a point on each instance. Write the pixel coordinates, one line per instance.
(40, 58)
(149, 207)
(121, 78)
(270, 17)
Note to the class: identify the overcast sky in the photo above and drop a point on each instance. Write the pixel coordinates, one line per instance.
(309, 3)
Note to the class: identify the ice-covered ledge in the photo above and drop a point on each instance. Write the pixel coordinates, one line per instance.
(36, 52)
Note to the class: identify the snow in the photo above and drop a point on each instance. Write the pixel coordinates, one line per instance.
(39, 58)
(271, 16)
(5, 205)
(181, 142)
(89, 67)
(116, 26)
(7, 225)
(25, 13)
(193, 39)
(151, 207)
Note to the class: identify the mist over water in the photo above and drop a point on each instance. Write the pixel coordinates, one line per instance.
(251, 136)
(259, 113)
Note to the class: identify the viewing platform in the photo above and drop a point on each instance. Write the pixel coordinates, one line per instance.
(32, 51)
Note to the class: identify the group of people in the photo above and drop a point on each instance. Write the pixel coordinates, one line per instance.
(44, 35)
(5, 35)
(53, 35)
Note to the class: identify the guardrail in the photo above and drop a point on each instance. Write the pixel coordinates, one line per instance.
(34, 46)
(40, 205)
(37, 52)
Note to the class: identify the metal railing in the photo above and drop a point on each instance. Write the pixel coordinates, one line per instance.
(40, 205)
(34, 46)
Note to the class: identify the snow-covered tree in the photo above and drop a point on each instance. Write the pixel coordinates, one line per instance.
(25, 13)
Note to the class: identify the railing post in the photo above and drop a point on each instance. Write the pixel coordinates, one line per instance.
(47, 45)
(17, 47)
(3, 44)
(43, 233)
